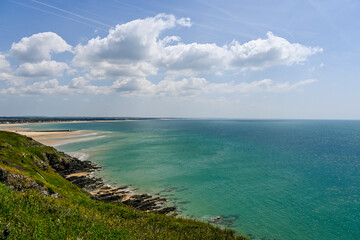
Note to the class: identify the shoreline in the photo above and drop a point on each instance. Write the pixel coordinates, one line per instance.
(46, 204)
(82, 173)
(87, 179)
(99, 190)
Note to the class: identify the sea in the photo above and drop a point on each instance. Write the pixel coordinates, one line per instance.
(266, 179)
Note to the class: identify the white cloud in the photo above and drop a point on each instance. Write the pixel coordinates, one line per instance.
(105, 69)
(8, 77)
(185, 22)
(134, 51)
(4, 64)
(127, 49)
(52, 86)
(253, 55)
(41, 69)
(5, 69)
(196, 86)
(186, 87)
(39, 47)
(193, 58)
(134, 86)
(265, 85)
(80, 85)
(264, 53)
(38, 88)
(132, 41)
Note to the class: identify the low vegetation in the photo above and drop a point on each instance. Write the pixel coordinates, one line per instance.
(37, 203)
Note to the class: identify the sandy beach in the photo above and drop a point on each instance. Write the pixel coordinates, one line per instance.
(51, 138)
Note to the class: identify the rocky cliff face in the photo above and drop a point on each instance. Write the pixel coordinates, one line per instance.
(65, 164)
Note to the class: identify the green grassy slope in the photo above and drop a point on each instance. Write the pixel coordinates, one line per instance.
(37, 203)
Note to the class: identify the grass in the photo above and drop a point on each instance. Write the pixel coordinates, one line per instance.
(30, 214)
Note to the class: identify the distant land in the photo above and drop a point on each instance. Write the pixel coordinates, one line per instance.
(40, 119)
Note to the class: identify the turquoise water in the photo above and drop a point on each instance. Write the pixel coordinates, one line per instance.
(266, 179)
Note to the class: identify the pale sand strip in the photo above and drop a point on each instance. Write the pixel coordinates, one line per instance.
(43, 134)
(81, 174)
(56, 138)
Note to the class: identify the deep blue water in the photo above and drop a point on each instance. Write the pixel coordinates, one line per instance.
(283, 179)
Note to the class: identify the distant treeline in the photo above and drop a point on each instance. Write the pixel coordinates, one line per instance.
(64, 119)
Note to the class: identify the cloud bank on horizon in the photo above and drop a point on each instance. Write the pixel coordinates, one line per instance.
(133, 54)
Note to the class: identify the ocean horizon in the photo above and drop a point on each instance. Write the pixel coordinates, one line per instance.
(267, 179)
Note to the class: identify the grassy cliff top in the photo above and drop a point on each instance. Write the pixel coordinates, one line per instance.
(37, 203)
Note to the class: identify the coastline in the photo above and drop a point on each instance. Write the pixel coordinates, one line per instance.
(39, 202)
(89, 178)
(82, 172)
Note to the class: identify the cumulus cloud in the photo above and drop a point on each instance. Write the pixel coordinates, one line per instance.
(193, 58)
(127, 46)
(5, 76)
(132, 41)
(52, 86)
(133, 52)
(138, 86)
(264, 53)
(185, 87)
(265, 85)
(41, 69)
(136, 49)
(5, 69)
(42, 88)
(81, 85)
(194, 86)
(253, 55)
(104, 70)
(4, 64)
(38, 47)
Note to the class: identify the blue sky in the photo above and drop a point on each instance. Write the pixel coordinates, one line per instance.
(217, 59)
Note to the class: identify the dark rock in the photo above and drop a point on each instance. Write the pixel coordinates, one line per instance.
(132, 202)
(112, 198)
(166, 210)
(65, 164)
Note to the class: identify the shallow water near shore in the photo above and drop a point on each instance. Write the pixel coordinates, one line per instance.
(266, 179)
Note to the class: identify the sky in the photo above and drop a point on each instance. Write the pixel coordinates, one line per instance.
(194, 59)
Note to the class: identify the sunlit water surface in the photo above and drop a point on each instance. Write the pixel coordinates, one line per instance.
(266, 179)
